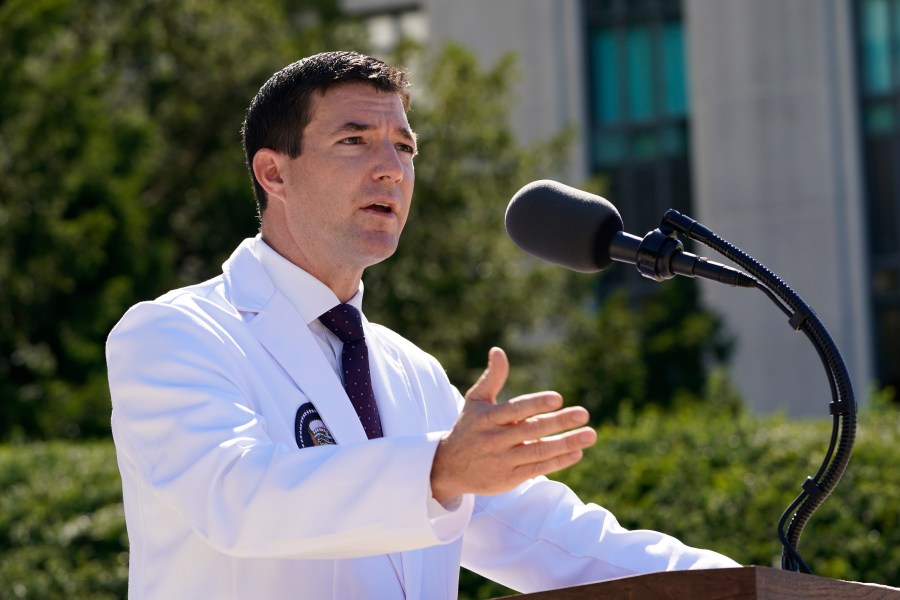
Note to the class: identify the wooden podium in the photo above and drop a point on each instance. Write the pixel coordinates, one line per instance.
(745, 583)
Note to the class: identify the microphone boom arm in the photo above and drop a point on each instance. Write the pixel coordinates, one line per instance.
(816, 489)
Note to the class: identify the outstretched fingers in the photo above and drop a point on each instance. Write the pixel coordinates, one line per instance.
(550, 447)
(557, 463)
(494, 447)
(546, 442)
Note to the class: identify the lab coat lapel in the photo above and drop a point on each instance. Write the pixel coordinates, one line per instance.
(399, 405)
(280, 329)
(300, 355)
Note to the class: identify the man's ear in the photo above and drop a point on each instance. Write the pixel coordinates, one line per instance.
(267, 167)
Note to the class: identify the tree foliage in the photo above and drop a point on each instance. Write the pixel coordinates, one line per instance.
(120, 174)
(656, 349)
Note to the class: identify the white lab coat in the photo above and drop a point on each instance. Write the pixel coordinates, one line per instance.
(221, 503)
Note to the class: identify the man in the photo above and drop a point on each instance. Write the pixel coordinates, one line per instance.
(262, 456)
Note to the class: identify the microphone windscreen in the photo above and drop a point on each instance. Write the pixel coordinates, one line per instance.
(563, 225)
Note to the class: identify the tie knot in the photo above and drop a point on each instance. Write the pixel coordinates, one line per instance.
(345, 322)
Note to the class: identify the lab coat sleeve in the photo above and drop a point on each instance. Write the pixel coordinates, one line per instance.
(540, 536)
(187, 430)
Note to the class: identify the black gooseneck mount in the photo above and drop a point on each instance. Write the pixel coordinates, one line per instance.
(660, 256)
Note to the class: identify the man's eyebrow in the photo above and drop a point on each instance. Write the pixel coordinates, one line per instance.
(354, 127)
(408, 134)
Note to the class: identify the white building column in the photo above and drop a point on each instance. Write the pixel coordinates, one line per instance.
(777, 171)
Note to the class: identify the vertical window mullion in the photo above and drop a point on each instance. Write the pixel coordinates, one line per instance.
(892, 101)
(661, 120)
(621, 128)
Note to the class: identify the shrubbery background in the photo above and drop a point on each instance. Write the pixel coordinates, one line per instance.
(711, 477)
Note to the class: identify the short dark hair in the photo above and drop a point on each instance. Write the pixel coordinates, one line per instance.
(280, 111)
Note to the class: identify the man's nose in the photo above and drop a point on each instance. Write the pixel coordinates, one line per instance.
(388, 163)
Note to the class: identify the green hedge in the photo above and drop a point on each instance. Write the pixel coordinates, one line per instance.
(722, 481)
(62, 527)
(708, 476)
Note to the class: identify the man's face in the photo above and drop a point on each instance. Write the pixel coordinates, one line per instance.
(347, 196)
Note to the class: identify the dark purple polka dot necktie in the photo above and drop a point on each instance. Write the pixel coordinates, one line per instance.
(345, 322)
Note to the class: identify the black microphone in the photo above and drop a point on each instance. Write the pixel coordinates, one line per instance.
(585, 233)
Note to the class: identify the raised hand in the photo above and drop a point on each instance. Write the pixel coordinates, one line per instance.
(493, 447)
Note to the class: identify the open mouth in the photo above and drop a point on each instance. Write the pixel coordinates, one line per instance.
(380, 207)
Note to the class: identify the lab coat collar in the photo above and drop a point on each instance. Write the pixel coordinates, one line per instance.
(282, 331)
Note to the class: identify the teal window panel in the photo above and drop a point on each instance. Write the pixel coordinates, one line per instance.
(606, 77)
(876, 45)
(639, 58)
(675, 95)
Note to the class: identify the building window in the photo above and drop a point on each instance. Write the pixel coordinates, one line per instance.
(878, 28)
(638, 142)
(386, 30)
(387, 24)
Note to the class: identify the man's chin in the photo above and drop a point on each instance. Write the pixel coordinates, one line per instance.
(373, 258)
(379, 248)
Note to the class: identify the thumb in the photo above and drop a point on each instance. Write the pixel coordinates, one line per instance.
(488, 386)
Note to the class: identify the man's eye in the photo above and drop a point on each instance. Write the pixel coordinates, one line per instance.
(352, 141)
(406, 148)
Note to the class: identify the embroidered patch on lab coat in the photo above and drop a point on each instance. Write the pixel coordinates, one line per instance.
(309, 429)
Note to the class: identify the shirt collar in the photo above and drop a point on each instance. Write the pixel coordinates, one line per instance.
(307, 294)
